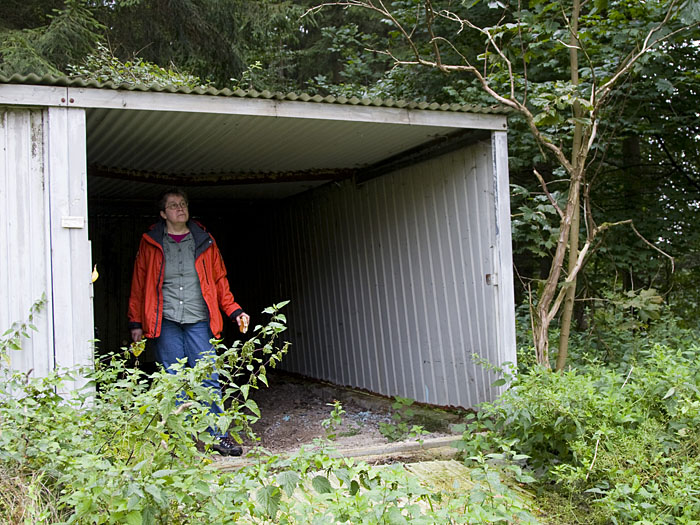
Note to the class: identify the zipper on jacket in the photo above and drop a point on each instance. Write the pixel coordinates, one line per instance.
(159, 319)
(158, 243)
(206, 273)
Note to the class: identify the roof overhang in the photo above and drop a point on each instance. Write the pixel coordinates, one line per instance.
(245, 147)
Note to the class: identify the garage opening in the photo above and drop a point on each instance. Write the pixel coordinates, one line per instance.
(390, 270)
(386, 224)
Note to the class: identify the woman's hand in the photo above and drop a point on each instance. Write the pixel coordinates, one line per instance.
(137, 334)
(243, 320)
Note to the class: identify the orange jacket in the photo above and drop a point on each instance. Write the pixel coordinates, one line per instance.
(146, 299)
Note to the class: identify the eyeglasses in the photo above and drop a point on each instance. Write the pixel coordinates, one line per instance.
(175, 206)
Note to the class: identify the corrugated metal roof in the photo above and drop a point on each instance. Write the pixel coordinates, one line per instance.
(52, 80)
(207, 144)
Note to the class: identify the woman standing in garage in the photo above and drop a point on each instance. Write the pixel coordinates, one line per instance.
(178, 290)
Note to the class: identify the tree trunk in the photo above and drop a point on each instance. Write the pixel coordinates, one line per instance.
(577, 165)
(545, 309)
(568, 307)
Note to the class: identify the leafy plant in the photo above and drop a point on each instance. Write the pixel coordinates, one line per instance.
(12, 337)
(103, 66)
(334, 421)
(125, 452)
(622, 437)
(245, 82)
(401, 426)
(534, 221)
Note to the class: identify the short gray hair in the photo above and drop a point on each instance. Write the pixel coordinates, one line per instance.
(163, 199)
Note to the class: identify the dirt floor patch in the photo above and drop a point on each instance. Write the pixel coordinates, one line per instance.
(293, 411)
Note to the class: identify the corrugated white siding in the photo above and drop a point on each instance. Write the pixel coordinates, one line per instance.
(24, 235)
(389, 280)
(70, 247)
(45, 244)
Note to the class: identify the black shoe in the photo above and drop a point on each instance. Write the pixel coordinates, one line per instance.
(227, 447)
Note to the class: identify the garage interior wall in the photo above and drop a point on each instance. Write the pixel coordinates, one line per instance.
(387, 279)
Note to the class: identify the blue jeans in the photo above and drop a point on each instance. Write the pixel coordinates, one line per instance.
(190, 340)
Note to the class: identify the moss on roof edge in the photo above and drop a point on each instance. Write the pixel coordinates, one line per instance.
(65, 81)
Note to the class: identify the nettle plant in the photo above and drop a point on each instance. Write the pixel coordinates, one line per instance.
(401, 425)
(622, 442)
(123, 450)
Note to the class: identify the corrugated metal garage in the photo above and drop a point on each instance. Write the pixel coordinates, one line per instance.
(386, 224)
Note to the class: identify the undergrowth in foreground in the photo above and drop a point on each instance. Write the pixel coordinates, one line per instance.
(616, 438)
(122, 450)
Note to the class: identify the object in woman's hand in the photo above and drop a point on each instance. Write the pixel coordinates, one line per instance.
(243, 326)
(138, 347)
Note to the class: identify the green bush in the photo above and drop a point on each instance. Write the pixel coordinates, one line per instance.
(123, 451)
(624, 437)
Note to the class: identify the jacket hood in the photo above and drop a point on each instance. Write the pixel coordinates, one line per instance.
(202, 238)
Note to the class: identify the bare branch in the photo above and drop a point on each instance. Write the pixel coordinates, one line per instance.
(595, 455)
(673, 264)
(588, 212)
(569, 281)
(454, 48)
(627, 378)
(582, 255)
(522, 53)
(491, 41)
(511, 102)
(548, 194)
(555, 270)
(646, 46)
(429, 17)
(612, 133)
(579, 264)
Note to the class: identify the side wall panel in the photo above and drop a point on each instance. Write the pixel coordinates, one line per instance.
(43, 236)
(70, 247)
(504, 250)
(389, 282)
(24, 235)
